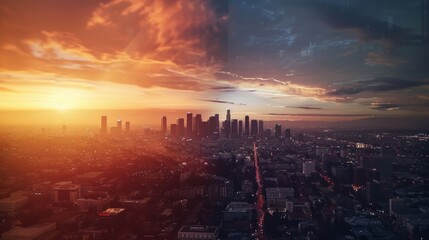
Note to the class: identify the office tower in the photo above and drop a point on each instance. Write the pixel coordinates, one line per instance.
(308, 167)
(253, 127)
(278, 130)
(234, 128)
(189, 125)
(181, 127)
(164, 124)
(228, 115)
(240, 128)
(103, 129)
(205, 129)
(217, 123)
(197, 127)
(227, 128)
(119, 125)
(261, 127)
(287, 133)
(246, 126)
(127, 126)
(212, 125)
(173, 130)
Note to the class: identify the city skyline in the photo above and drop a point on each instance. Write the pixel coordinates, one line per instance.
(285, 66)
(214, 119)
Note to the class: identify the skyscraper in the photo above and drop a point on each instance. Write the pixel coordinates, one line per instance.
(212, 125)
(180, 127)
(216, 123)
(261, 126)
(254, 127)
(246, 126)
(197, 127)
(164, 124)
(287, 133)
(227, 129)
(119, 125)
(228, 115)
(234, 128)
(189, 124)
(173, 130)
(103, 129)
(127, 127)
(278, 130)
(240, 128)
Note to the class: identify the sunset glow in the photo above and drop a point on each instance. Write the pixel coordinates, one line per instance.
(131, 54)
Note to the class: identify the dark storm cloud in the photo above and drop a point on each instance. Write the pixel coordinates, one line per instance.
(368, 27)
(385, 106)
(380, 84)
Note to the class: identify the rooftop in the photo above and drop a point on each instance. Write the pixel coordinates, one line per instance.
(111, 212)
(198, 228)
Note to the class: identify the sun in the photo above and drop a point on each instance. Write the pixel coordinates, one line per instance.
(65, 99)
(62, 107)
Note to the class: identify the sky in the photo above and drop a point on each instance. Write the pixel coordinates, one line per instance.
(273, 59)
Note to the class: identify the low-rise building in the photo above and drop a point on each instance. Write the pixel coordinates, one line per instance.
(197, 232)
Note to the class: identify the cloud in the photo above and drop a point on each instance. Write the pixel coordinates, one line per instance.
(318, 115)
(171, 44)
(182, 31)
(5, 89)
(383, 58)
(367, 27)
(273, 85)
(380, 84)
(385, 106)
(305, 107)
(222, 101)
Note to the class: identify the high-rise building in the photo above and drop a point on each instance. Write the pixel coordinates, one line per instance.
(278, 130)
(181, 127)
(173, 130)
(119, 125)
(254, 127)
(189, 125)
(103, 129)
(227, 129)
(246, 126)
(216, 124)
(197, 127)
(212, 125)
(261, 126)
(240, 128)
(164, 124)
(205, 129)
(234, 128)
(127, 127)
(228, 115)
(287, 133)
